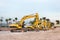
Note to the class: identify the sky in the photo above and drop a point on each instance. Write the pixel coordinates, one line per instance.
(20, 8)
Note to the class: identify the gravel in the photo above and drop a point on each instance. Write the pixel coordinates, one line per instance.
(41, 35)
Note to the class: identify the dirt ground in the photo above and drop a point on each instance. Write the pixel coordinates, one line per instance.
(41, 35)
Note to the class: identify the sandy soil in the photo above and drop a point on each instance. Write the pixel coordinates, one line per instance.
(41, 35)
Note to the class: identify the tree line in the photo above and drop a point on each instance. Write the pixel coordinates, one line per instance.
(8, 20)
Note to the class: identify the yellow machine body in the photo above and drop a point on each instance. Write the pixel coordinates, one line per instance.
(36, 16)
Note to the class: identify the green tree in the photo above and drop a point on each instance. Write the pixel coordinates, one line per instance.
(32, 22)
(1, 20)
(57, 22)
(44, 18)
(16, 19)
(7, 21)
(13, 20)
(10, 20)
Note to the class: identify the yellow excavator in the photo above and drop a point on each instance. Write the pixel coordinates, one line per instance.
(20, 25)
(37, 25)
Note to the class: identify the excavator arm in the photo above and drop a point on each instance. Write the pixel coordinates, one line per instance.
(36, 16)
(27, 17)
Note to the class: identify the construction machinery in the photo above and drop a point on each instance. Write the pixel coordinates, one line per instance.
(20, 25)
(37, 25)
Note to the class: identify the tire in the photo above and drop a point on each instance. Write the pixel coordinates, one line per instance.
(11, 31)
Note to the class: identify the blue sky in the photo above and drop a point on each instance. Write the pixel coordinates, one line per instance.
(19, 8)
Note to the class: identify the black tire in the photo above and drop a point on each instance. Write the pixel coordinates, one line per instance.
(11, 31)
